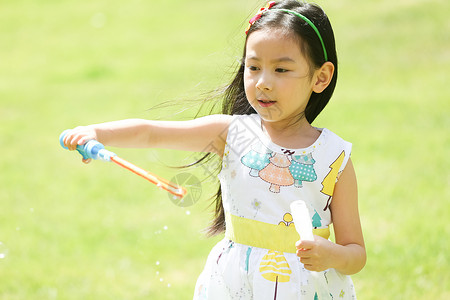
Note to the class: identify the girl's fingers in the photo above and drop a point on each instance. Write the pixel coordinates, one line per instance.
(86, 161)
(305, 245)
(69, 141)
(72, 140)
(83, 140)
(305, 261)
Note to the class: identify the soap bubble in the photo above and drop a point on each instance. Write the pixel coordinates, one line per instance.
(3, 251)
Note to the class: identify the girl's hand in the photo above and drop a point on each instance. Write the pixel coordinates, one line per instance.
(79, 136)
(348, 254)
(315, 255)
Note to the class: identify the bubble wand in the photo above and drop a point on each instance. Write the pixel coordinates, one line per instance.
(303, 225)
(95, 150)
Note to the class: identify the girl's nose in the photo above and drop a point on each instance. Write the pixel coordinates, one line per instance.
(264, 83)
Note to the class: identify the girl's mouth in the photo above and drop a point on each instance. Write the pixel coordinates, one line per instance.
(266, 103)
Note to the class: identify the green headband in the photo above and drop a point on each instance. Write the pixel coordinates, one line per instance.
(271, 4)
(310, 24)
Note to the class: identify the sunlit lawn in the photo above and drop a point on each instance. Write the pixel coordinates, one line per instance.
(71, 231)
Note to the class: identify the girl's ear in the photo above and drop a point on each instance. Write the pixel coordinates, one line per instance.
(323, 77)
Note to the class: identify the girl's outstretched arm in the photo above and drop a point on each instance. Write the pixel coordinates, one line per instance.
(206, 134)
(348, 254)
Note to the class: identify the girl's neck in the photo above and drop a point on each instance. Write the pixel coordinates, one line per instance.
(294, 135)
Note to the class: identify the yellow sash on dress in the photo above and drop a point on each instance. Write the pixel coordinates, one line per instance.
(264, 235)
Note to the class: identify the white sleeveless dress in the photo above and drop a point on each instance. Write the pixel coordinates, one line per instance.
(259, 180)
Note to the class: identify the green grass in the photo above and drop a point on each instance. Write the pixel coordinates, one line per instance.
(72, 231)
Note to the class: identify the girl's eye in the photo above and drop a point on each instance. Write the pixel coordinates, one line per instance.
(253, 68)
(281, 70)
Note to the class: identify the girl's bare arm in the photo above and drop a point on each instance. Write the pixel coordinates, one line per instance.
(349, 253)
(206, 134)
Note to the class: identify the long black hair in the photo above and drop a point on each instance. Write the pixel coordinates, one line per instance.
(234, 99)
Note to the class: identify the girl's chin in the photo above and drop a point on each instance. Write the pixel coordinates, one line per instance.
(270, 113)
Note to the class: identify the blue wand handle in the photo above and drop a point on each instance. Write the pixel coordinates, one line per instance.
(95, 150)
(92, 149)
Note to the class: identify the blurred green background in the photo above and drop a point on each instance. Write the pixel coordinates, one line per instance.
(71, 231)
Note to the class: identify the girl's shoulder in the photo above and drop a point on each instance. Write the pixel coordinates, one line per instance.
(332, 137)
(244, 124)
(335, 149)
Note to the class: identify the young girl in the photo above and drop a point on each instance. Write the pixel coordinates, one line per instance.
(271, 156)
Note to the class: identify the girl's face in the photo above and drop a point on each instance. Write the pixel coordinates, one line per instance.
(277, 77)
